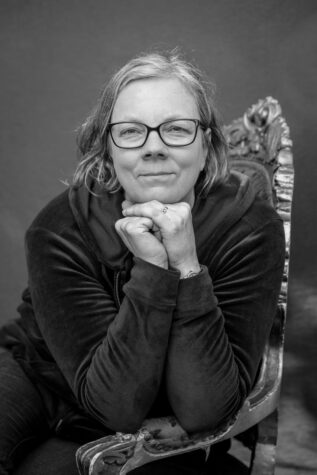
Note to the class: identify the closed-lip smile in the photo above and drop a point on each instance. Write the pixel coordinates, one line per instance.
(155, 173)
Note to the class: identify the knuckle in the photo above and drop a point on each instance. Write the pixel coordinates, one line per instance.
(151, 209)
(182, 221)
(186, 207)
(178, 223)
(123, 223)
(157, 213)
(118, 224)
(155, 205)
(148, 208)
(129, 227)
(185, 212)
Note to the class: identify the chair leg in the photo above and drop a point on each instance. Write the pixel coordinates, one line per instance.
(264, 455)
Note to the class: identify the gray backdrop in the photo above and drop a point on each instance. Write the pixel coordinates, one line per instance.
(55, 56)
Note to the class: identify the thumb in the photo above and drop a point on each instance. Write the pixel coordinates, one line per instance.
(157, 233)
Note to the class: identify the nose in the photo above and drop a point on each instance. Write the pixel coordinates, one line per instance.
(154, 146)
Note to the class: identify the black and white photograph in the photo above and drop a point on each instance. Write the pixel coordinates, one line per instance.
(158, 237)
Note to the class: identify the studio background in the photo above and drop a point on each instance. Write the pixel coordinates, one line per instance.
(54, 58)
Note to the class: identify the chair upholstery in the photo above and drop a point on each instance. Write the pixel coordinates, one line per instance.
(259, 145)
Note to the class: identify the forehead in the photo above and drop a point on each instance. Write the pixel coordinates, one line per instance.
(153, 100)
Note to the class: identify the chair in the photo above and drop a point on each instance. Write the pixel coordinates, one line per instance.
(259, 145)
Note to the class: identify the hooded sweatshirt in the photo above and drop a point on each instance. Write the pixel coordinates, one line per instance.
(122, 339)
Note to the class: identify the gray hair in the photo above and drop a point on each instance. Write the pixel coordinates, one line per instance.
(95, 160)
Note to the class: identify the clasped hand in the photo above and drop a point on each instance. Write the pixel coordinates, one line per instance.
(165, 239)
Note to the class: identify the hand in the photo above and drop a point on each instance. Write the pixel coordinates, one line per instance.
(137, 236)
(175, 229)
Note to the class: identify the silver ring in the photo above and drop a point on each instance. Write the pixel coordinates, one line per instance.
(164, 210)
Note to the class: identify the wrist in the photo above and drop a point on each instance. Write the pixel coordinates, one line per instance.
(191, 273)
(188, 270)
(156, 262)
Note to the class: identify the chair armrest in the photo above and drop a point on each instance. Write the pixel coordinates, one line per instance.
(157, 439)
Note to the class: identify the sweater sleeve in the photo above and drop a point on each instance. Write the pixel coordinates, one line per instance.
(112, 359)
(220, 327)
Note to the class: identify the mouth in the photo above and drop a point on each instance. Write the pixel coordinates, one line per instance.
(150, 174)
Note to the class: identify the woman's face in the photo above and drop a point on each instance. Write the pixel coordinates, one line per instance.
(157, 171)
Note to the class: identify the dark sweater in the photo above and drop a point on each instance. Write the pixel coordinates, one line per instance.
(123, 339)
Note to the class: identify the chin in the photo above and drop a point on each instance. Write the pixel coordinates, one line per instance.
(161, 199)
(164, 198)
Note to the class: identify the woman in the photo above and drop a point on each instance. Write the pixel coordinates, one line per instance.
(152, 281)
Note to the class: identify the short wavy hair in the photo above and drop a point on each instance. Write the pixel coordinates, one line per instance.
(94, 158)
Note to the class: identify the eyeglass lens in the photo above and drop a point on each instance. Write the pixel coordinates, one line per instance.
(133, 134)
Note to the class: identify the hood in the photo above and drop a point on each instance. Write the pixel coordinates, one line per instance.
(97, 210)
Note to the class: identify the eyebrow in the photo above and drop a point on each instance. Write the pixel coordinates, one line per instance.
(167, 119)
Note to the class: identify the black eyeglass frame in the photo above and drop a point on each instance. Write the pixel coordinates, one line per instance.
(197, 122)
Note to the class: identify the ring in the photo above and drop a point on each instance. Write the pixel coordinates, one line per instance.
(164, 210)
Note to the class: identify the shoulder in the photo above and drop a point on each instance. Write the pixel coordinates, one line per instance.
(245, 207)
(56, 216)
(259, 227)
(258, 237)
(262, 214)
(54, 235)
(55, 227)
(233, 211)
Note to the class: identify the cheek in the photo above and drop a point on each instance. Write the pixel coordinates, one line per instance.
(198, 158)
(118, 159)
(124, 168)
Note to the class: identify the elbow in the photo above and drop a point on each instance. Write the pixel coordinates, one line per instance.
(118, 419)
(208, 417)
(123, 422)
(118, 414)
(195, 423)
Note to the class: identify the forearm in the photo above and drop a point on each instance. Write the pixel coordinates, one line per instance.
(111, 359)
(202, 377)
(219, 331)
(124, 376)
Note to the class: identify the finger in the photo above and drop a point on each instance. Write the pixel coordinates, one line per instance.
(133, 225)
(153, 208)
(126, 204)
(150, 209)
(130, 228)
(167, 217)
(157, 232)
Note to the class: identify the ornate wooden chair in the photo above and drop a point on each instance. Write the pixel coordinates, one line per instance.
(260, 147)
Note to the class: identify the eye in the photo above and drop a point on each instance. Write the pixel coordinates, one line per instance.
(178, 128)
(175, 128)
(130, 131)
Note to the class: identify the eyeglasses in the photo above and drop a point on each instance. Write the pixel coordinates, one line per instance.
(174, 133)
